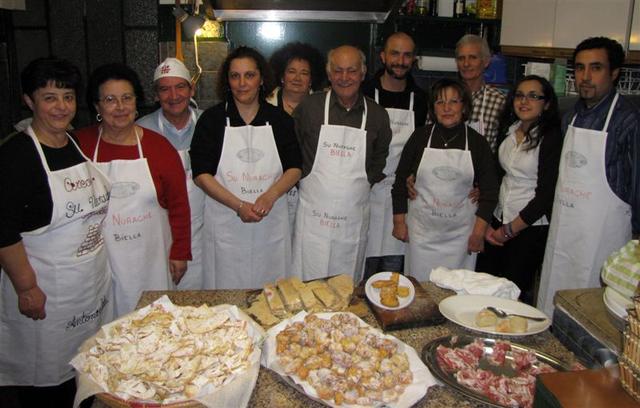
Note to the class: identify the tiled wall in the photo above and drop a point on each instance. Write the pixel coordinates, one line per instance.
(211, 55)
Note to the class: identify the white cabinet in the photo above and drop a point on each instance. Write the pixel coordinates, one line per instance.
(580, 19)
(564, 23)
(528, 23)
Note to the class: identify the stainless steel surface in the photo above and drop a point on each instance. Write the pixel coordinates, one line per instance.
(502, 314)
(301, 15)
(430, 359)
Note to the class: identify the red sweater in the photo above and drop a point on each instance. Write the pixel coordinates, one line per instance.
(168, 177)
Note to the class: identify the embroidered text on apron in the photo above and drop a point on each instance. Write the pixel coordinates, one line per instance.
(69, 259)
(137, 231)
(442, 216)
(589, 220)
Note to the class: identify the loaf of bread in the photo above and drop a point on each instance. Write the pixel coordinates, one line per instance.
(343, 287)
(307, 297)
(261, 311)
(274, 301)
(290, 295)
(324, 293)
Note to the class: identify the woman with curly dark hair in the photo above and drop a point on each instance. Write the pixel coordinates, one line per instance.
(245, 157)
(299, 68)
(530, 144)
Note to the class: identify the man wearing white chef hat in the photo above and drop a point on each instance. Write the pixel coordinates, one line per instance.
(472, 58)
(176, 120)
(344, 137)
(394, 88)
(595, 210)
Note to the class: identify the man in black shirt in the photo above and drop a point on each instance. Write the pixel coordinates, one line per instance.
(392, 87)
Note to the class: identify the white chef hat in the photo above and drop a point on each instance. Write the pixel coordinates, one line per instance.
(172, 67)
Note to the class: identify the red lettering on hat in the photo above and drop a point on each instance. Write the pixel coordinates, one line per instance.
(165, 69)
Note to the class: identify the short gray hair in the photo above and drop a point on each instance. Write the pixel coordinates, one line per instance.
(485, 51)
(363, 58)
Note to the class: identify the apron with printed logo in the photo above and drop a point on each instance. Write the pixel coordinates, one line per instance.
(333, 212)
(192, 279)
(380, 241)
(442, 216)
(589, 220)
(137, 231)
(70, 262)
(241, 255)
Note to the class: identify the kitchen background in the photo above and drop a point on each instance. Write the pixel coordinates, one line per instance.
(142, 32)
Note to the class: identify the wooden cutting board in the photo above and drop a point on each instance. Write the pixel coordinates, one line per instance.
(423, 311)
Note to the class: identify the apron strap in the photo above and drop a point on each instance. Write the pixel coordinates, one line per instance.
(606, 123)
(410, 101)
(29, 131)
(377, 96)
(364, 114)
(613, 105)
(326, 107)
(431, 135)
(466, 137)
(484, 97)
(326, 110)
(228, 122)
(95, 153)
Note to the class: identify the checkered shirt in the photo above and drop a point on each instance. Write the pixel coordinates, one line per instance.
(493, 105)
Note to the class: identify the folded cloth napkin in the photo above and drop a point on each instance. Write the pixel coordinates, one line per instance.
(466, 282)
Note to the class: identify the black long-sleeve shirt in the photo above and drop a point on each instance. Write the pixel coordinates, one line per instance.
(484, 168)
(26, 203)
(208, 137)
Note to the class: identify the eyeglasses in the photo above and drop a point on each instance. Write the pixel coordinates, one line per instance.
(531, 96)
(442, 102)
(112, 100)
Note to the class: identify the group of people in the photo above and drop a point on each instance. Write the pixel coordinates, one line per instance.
(283, 178)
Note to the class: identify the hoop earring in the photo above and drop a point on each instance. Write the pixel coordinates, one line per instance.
(137, 114)
(98, 117)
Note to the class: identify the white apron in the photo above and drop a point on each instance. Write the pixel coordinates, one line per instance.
(519, 183)
(243, 255)
(137, 232)
(70, 263)
(442, 216)
(589, 220)
(478, 125)
(192, 279)
(333, 212)
(380, 241)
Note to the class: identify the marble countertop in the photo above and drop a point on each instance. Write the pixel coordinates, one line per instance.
(271, 391)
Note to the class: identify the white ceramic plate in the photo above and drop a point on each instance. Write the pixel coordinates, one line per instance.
(373, 294)
(462, 310)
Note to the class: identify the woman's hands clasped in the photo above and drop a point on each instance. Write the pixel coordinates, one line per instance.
(257, 211)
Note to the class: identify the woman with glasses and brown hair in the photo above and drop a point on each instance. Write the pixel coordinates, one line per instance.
(147, 230)
(442, 226)
(530, 144)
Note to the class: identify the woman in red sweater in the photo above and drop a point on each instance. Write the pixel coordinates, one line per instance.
(147, 229)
